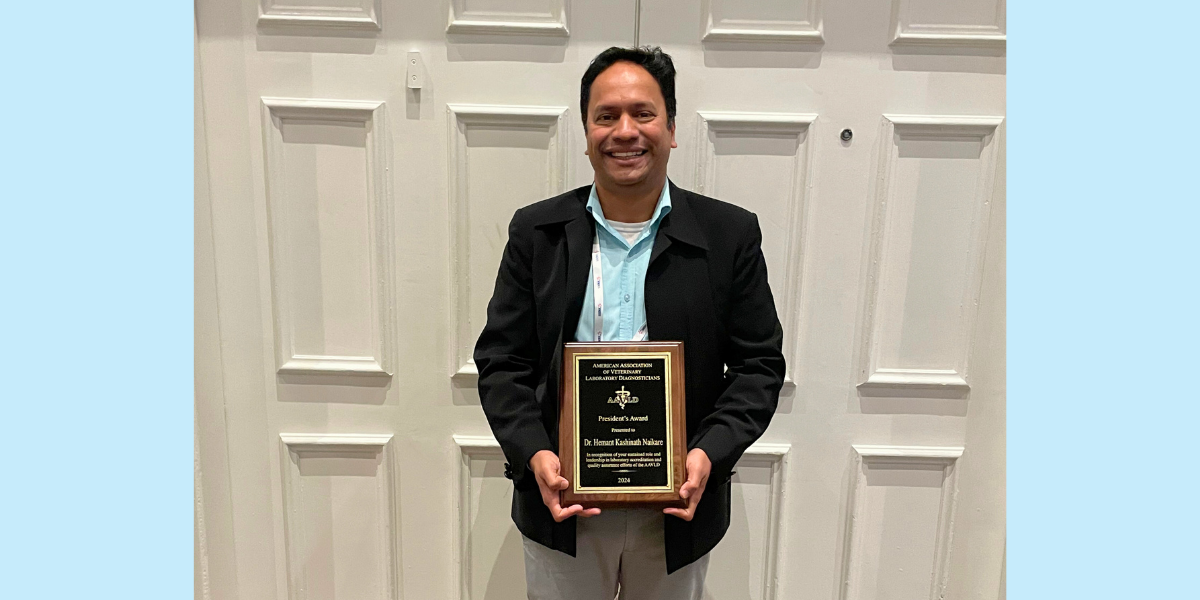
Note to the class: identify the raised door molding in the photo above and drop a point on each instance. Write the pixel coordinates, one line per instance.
(760, 123)
(885, 304)
(906, 32)
(898, 459)
(464, 20)
(276, 112)
(470, 447)
(717, 28)
(460, 118)
(775, 457)
(360, 15)
(328, 449)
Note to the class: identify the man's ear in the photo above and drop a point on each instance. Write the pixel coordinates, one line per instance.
(671, 128)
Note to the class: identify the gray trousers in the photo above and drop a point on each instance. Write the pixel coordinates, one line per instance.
(617, 550)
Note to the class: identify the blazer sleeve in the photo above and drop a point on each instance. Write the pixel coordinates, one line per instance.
(507, 355)
(755, 361)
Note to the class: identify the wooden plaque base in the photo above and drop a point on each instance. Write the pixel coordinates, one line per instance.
(622, 424)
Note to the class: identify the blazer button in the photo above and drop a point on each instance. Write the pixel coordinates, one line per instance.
(508, 473)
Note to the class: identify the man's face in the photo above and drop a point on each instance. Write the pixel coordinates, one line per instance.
(628, 139)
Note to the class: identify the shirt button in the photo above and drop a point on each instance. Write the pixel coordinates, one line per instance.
(627, 297)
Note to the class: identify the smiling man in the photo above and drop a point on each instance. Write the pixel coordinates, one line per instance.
(673, 266)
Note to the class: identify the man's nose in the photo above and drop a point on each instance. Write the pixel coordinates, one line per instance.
(626, 128)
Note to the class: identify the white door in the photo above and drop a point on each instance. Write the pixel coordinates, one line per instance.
(348, 233)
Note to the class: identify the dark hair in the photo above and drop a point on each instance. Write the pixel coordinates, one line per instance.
(653, 59)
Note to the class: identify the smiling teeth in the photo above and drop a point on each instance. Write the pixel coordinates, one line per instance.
(626, 154)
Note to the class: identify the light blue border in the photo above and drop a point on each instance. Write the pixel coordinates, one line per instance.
(96, 300)
(1103, 266)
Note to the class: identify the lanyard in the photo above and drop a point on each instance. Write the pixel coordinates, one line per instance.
(598, 297)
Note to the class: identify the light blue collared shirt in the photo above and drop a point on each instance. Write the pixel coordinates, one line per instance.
(623, 271)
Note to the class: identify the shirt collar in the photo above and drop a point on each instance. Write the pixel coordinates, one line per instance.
(662, 208)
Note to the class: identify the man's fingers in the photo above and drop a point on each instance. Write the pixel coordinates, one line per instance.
(550, 497)
(695, 481)
(686, 515)
(690, 488)
(567, 512)
(693, 493)
(573, 510)
(558, 512)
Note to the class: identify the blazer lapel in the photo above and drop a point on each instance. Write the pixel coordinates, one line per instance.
(579, 232)
(667, 283)
(679, 225)
(570, 213)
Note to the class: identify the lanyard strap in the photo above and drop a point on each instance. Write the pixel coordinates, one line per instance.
(597, 291)
(598, 297)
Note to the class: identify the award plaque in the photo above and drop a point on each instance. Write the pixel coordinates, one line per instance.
(622, 424)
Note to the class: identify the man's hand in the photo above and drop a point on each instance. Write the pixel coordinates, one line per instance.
(698, 468)
(545, 468)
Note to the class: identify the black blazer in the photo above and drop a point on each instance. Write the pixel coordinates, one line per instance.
(706, 285)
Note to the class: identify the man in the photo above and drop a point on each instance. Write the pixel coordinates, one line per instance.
(674, 266)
